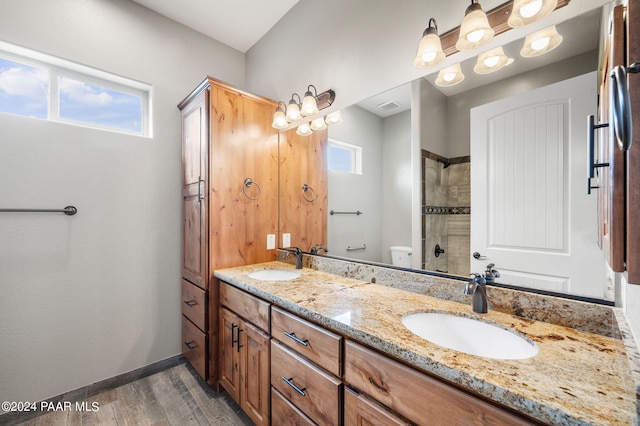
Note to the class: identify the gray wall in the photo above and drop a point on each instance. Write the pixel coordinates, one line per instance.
(349, 192)
(91, 296)
(397, 182)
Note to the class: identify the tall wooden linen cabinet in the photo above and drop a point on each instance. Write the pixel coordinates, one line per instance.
(230, 203)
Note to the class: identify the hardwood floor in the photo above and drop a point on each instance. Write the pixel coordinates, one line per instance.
(175, 396)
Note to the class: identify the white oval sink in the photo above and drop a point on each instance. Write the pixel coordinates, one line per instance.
(469, 336)
(274, 274)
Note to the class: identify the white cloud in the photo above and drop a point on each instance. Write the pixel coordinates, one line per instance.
(29, 82)
(84, 93)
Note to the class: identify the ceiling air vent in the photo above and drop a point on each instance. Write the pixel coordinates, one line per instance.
(389, 105)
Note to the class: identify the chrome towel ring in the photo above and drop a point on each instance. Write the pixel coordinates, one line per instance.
(247, 183)
(306, 188)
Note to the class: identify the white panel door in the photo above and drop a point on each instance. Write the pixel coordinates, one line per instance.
(531, 215)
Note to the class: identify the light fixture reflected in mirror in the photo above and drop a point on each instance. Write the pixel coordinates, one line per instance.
(318, 124)
(334, 117)
(475, 29)
(450, 76)
(304, 129)
(541, 42)
(309, 105)
(491, 61)
(430, 48)
(526, 12)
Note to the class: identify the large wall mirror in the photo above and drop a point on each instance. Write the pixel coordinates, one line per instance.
(411, 179)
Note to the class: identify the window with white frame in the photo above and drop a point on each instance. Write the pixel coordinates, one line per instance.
(344, 157)
(42, 86)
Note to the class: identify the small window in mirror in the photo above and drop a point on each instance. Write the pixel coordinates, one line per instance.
(344, 157)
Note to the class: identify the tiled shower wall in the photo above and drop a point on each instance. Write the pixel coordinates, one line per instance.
(446, 213)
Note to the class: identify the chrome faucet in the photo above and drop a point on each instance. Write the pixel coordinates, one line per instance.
(491, 274)
(477, 288)
(317, 248)
(298, 254)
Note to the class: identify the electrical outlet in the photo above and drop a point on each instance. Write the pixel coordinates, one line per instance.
(271, 241)
(286, 240)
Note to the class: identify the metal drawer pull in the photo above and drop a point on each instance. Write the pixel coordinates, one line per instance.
(233, 339)
(293, 336)
(297, 389)
(190, 345)
(240, 330)
(190, 303)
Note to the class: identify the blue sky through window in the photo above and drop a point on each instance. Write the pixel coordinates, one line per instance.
(90, 103)
(24, 89)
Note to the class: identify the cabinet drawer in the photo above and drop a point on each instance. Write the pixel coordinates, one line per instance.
(317, 393)
(194, 304)
(360, 410)
(249, 307)
(416, 395)
(284, 412)
(194, 347)
(315, 343)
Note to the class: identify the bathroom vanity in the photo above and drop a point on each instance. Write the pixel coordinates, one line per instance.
(582, 374)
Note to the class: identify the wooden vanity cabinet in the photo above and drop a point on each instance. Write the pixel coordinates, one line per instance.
(416, 396)
(306, 366)
(359, 410)
(245, 353)
(226, 138)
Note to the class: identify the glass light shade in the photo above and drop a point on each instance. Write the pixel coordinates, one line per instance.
(304, 129)
(318, 124)
(293, 111)
(429, 50)
(491, 61)
(475, 29)
(450, 76)
(541, 42)
(333, 118)
(309, 105)
(279, 120)
(526, 12)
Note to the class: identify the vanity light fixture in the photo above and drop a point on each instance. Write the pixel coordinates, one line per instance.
(334, 117)
(526, 12)
(279, 119)
(293, 109)
(541, 42)
(450, 76)
(475, 29)
(287, 116)
(491, 61)
(430, 48)
(304, 129)
(309, 105)
(318, 124)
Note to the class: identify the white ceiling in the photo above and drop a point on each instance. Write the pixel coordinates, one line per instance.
(228, 21)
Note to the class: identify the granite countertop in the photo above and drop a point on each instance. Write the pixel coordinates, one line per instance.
(577, 378)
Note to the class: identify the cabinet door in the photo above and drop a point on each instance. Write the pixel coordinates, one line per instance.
(360, 411)
(230, 353)
(254, 373)
(195, 142)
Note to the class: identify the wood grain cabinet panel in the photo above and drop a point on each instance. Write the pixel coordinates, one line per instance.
(314, 343)
(251, 308)
(245, 364)
(194, 304)
(308, 387)
(361, 411)
(284, 412)
(416, 396)
(194, 346)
